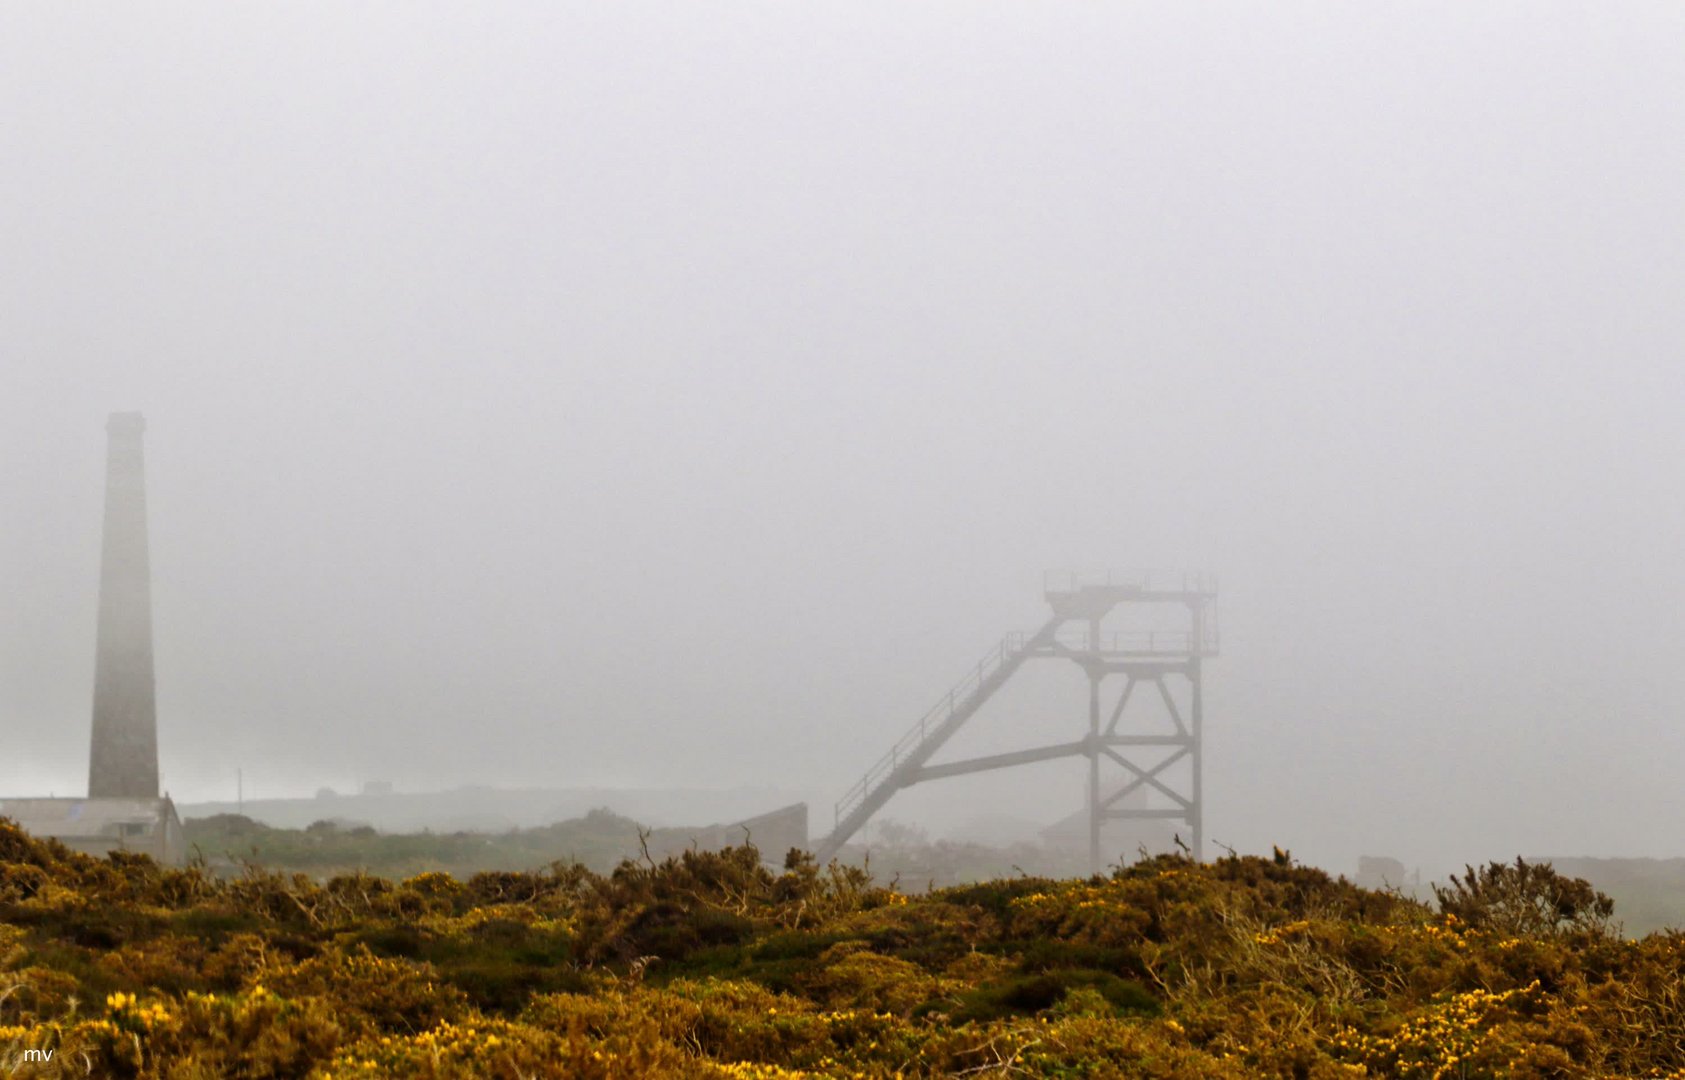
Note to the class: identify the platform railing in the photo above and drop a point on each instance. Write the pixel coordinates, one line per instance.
(1061, 582)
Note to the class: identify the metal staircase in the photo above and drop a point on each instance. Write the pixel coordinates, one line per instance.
(898, 768)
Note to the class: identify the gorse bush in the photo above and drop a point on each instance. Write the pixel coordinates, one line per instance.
(1524, 898)
(716, 965)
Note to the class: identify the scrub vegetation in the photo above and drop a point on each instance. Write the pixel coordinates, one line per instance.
(713, 965)
(600, 840)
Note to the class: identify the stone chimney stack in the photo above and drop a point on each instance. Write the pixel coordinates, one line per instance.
(123, 759)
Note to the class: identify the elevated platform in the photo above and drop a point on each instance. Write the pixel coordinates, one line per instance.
(1092, 594)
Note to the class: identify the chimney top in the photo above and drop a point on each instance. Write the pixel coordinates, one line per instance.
(125, 423)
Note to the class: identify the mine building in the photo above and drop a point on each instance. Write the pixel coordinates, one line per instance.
(101, 826)
(123, 810)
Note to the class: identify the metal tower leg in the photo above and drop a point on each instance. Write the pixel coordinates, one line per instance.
(1196, 812)
(1095, 674)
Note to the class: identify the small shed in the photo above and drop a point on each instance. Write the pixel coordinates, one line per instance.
(100, 826)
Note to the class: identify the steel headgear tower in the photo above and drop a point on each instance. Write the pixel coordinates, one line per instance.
(1166, 761)
(123, 759)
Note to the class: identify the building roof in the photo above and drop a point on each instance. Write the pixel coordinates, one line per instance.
(86, 817)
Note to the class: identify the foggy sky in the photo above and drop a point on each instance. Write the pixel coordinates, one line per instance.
(688, 394)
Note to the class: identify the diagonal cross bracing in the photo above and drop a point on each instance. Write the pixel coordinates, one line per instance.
(1146, 776)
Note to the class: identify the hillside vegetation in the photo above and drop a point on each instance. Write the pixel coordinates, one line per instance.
(710, 965)
(600, 840)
